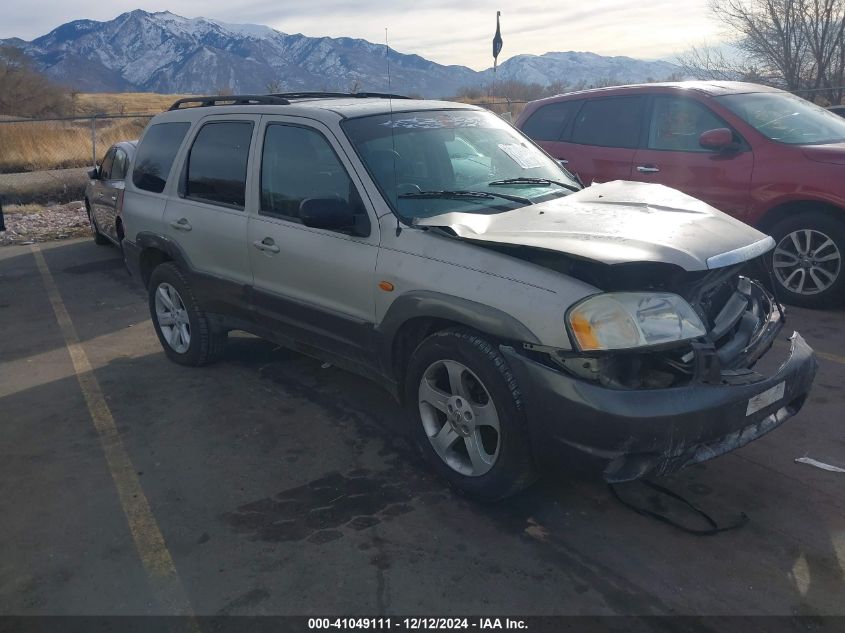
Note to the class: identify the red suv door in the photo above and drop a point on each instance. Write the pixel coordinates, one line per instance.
(603, 138)
(672, 156)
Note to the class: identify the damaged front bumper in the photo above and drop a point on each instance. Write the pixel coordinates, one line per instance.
(631, 434)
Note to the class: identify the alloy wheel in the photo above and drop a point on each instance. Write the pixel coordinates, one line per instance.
(459, 418)
(806, 262)
(172, 318)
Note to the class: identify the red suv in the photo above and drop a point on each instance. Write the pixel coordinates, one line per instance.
(759, 154)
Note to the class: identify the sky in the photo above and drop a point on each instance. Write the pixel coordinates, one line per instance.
(444, 31)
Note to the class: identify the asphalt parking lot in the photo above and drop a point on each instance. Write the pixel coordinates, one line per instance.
(273, 485)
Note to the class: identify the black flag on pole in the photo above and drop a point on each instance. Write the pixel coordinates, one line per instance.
(497, 41)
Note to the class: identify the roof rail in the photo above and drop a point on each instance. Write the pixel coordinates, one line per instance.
(337, 95)
(231, 100)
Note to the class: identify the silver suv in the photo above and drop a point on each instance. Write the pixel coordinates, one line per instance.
(520, 318)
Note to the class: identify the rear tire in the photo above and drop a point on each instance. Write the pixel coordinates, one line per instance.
(466, 412)
(808, 261)
(184, 331)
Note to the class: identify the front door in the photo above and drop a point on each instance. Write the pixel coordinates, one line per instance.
(98, 191)
(317, 284)
(111, 189)
(673, 156)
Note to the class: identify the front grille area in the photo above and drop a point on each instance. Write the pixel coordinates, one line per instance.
(741, 318)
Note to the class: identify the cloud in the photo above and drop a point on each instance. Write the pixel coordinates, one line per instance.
(440, 30)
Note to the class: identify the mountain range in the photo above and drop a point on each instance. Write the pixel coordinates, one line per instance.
(140, 51)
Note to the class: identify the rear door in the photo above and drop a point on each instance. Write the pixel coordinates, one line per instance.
(673, 157)
(207, 218)
(316, 284)
(605, 135)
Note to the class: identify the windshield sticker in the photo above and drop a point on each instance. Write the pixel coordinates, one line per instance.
(525, 157)
(436, 122)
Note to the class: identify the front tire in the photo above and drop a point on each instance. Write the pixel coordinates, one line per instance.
(808, 261)
(184, 331)
(467, 417)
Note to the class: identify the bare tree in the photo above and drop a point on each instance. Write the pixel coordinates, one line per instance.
(793, 44)
(274, 86)
(26, 92)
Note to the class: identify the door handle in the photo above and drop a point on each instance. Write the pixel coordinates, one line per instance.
(267, 245)
(181, 224)
(648, 169)
(114, 198)
(562, 161)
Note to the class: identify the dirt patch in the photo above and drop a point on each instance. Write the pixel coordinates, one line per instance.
(34, 223)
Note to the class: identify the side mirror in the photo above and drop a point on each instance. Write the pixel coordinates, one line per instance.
(718, 140)
(94, 174)
(326, 213)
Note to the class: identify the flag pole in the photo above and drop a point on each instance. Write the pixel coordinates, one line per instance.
(497, 48)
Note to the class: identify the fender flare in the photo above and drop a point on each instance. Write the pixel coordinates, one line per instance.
(437, 305)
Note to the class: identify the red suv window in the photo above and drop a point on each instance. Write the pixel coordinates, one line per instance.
(611, 122)
(549, 122)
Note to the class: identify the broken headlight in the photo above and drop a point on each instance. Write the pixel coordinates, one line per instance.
(627, 320)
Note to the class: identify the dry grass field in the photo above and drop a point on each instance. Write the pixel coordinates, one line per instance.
(122, 102)
(39, 145)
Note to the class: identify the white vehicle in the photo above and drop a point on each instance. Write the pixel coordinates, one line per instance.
(433, 247)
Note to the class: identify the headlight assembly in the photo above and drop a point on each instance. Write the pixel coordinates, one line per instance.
(628, 320)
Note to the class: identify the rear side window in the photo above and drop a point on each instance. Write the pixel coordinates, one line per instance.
(613, 122)
(156, 154)
(216, 170)
(549, 122)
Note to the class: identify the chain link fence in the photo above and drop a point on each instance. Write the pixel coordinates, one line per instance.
(45, 160)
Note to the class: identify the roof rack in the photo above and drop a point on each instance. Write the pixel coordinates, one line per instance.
(337, 95)
(231, 100)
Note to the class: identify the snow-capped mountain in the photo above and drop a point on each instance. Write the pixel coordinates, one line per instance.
(576, 67)
(163, 52)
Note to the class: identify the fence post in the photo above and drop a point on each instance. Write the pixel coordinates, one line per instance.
(93, 142)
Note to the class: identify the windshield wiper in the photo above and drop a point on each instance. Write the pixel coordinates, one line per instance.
(524, 180)
(464, 194)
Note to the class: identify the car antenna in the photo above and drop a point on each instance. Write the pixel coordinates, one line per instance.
(392, 131)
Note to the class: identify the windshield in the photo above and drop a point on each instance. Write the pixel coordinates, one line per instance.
(436, 161)
(786, 118)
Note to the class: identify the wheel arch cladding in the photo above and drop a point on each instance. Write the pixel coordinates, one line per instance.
(417, 314)
(157, 249)
(784, 210)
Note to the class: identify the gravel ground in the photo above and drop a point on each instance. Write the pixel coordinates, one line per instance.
(34, 223)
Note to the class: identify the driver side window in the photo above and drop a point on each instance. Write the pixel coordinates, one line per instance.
(677, 123)
(105, 166)
(298, 163)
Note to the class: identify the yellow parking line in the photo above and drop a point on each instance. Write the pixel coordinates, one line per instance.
(148, 539)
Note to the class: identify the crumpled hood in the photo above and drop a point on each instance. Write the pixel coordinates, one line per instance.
(619, 222)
